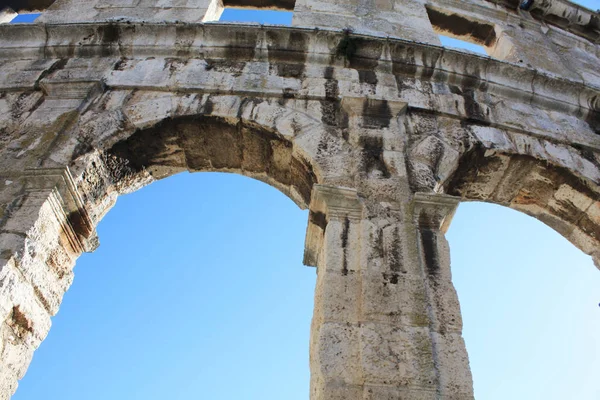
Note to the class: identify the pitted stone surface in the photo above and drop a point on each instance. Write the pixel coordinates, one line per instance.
(366, 121)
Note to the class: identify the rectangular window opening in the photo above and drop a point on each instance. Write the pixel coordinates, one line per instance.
(25, 18)
(462, 33)
(462, 45)
(261, 16)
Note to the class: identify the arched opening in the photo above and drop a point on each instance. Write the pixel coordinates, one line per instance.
(528, 297)
(135, 158)
(529, 301)
(198, 291)
(191, 143)
(566, 201)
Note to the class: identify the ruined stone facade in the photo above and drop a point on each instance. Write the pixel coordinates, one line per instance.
(354, 112)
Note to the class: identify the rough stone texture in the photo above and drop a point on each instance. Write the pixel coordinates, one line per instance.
(365, 121)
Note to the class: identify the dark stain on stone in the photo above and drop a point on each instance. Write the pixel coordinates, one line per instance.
(365, 63)
(120, 65)
(288, 93)
(80, 149)
(287, 53)
(232, 67)
(347, 46)
(429, 66)
(429, 241)
(467, 169)
(319, 219)
(372, 155)
(344, 237)
(593, 120)
(394, 253)
(81, 223)
(369, 77)
(19, 322)
(303, 177)
(403, 58)
(400, 84)
(184, 39)
(378, 243)
(58, 65)
(391, 278)
(474, 112)
(473, 82)
(480, 33)
(376, 114)
(567, 211)
(245, 46)
(290, 70)
(330, 112)
(109, 33)
(331, 89)
(331, 84)
(208, 107)
(585, 153)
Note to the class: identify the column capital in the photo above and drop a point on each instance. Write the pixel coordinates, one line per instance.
(336, 202)
(433, 210)
(328, 203)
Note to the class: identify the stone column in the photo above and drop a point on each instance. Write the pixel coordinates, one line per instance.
(432, 214)
(406, 19)
(69, 11)
(42, 232)
(387, 320)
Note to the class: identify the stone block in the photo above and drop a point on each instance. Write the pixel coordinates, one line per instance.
(397, 356)
(335, 353)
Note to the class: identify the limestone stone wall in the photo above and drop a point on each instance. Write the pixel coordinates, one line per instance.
(366, 121)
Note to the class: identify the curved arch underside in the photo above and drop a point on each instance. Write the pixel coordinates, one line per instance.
(550, 193)
(199, 143)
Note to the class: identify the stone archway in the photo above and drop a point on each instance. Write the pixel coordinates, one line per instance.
(203, 269)
(375, 135)
(552, 194)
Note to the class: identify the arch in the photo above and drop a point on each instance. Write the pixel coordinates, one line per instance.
(556, 183)
(552, 194)
(266, 139)
(227, 254)
(200, 143)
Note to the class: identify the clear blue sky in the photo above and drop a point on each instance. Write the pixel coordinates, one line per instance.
(198, 292)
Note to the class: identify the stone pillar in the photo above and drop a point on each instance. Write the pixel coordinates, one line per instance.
(432, 214)
(406, 19)
(43, 231)
(7, 14)
(525, 46)
(69, 11)
(387, 320)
